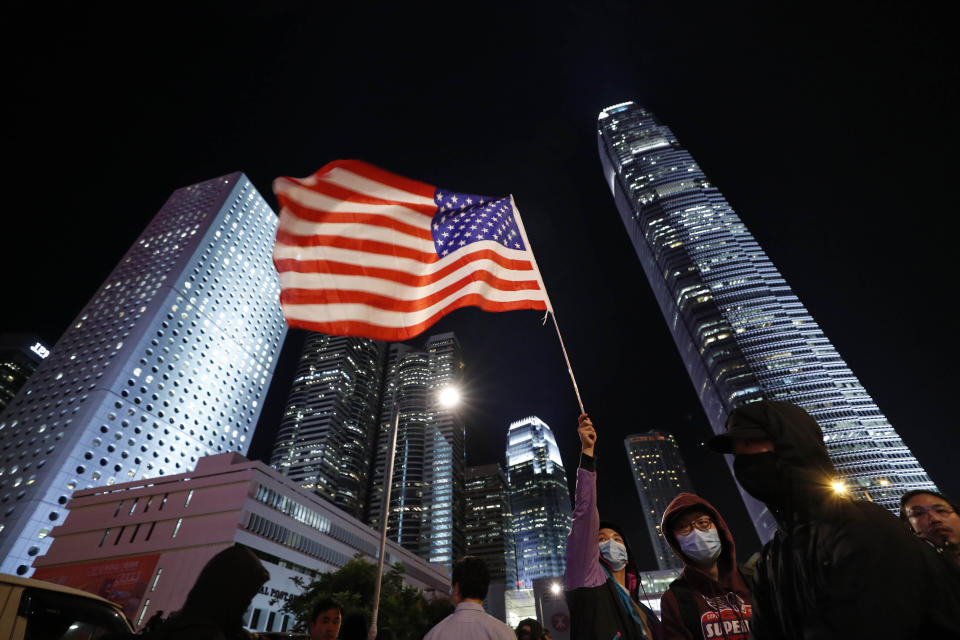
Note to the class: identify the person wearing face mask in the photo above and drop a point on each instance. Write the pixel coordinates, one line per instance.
(710, 599)
(601, 583)
(839, 566)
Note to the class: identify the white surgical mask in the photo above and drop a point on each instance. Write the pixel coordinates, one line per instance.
(701, 546)
(614, 553)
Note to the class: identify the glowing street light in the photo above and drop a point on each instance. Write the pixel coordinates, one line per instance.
(839, 486)
(449, 397)
(555, 588)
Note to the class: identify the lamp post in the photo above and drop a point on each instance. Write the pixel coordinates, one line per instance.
(448, 397)
(555, 590)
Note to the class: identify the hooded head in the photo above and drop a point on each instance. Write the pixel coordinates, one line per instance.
(225, 587)
(798, 473)
(686, 502)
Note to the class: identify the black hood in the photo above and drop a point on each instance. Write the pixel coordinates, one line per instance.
(632, 572)
(803, 465)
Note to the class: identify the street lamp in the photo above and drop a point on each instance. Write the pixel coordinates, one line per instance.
(447, 398)
(555, 590)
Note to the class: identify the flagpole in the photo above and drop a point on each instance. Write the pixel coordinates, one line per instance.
(553, 314)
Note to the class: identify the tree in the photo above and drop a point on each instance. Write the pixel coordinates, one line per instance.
(403, 608)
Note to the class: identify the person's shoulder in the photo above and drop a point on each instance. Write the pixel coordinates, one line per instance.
(499, 630)
(435, 630)
(668, 599)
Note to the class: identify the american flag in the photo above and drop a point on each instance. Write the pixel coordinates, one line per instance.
(364, 252)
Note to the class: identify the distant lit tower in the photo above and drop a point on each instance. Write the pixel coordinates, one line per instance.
(489, 526)
(742, 333)
(444, 461)
(169, 361)
(20, 355)
(539, 500)
(327, 433)
(659, 473)
(427, 495)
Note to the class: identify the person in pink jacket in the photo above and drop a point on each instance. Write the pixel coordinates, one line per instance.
(601, 583)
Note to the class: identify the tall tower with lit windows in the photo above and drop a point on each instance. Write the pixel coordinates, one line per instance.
(659, 474)
(742, 333)
(327, 432)
(489, 523)
(169, 361)
(539, 500)
(427, 497)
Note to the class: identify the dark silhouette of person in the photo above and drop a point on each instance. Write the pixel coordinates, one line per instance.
(215, 606)
(830, 568)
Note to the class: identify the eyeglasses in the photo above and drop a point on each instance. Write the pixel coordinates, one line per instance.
(939, 509)
(702, 524)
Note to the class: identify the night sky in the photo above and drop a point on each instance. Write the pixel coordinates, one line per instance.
(831, 132)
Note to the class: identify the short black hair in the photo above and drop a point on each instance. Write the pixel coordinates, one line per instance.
(905, 498)
(471, 573)
(324, 604)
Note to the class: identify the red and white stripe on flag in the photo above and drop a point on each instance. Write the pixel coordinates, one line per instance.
(364, 252)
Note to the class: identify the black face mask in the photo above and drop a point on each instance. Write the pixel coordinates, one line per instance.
(757, 473)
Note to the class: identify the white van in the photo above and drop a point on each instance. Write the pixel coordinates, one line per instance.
(37, 610)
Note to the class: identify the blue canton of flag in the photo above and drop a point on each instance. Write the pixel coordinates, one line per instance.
(463, 219)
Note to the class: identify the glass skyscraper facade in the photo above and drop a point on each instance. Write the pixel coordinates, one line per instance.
(742, 333)
(539, 500)
(427, 492)
(329, 426)
(489, 523)
(659, 474)
(169, 361)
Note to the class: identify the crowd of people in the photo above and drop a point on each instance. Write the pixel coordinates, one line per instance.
(836, 568)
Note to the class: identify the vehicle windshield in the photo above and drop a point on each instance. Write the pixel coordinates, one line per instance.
(61, 616)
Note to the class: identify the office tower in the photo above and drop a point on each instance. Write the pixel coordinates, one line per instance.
(169, 361)
(20, 355)
(539, 500)
(444, 460)
(427, 497)
(659, 474)
(327, 432)
(489, 526)
(742, 333)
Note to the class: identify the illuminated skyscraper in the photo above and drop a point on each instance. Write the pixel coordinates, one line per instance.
(742, 333)
(20, 355)
(539, 500)
(169, 361)
(326, 436)
(427, 493)
(489, 523)
(659, 473)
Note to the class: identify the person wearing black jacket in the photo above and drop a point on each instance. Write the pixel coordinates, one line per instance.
(837, 567)
(215, 606)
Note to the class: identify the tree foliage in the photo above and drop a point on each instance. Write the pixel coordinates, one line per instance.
(403, 608)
